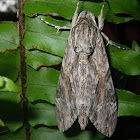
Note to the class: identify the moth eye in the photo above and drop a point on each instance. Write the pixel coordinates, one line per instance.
(90, 50)
(76, 49)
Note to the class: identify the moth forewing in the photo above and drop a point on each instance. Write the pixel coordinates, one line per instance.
(104, 113)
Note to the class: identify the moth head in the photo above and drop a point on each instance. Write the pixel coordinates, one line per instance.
(87, 51)
(84, 37)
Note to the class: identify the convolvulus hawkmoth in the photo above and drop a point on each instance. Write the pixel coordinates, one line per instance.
(85, 89)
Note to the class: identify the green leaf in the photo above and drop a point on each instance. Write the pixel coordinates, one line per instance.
(43, 37)
(1, 81)
(65, 8)
(128, 103)
(53, 134)
(126, 61)
(131, 7)
(10, 64)
(110, 17)
(135, 47)
(36, 59)
(48, 6)
(9, 36)
(7, 85)
(1, 123)
(41, 85)
(19, 135)
(41, 113)
(11, 110)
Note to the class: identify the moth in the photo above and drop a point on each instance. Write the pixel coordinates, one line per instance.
(85, 88)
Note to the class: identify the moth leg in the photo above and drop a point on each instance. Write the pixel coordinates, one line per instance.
(110, 42)
(101, 19)
(74, 19)
(55, 26)
(101, 25)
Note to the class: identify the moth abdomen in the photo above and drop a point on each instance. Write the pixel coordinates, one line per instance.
(83, 115)
(83, 122)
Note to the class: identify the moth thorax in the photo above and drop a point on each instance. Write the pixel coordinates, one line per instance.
(83, 56)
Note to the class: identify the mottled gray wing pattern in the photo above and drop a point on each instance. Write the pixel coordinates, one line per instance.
(104, 106)
(85, 88)
(65, 100)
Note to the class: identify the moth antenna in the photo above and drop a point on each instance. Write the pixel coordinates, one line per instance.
(74, 19)
(101, 19)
